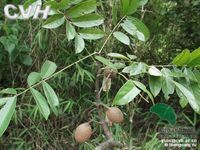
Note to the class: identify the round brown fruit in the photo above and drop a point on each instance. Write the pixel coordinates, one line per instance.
(109, 71)
(83, 132)
(115, 115)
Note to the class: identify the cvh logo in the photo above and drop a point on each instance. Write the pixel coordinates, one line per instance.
(33, 10)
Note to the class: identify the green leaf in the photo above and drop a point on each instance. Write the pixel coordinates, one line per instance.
(51, 97)
(122, 37)
(129, 6)
(115, 8)
(34, 4)
(4, 100)
(79, 44)
(126, 93)
(70, 31)
(26, 59)
(195, 58)
(136, 28)
(54, 21)
(167, 83)
(135, 69)
(155, 84)
(88, 20)
(153, 71)
(48, 68)
(74, 2)
(165, 112)
(9, 43)
(117, 55)
(177, 73)
(8, 91)
(33, 78)
(143, 2)
(105, 62)
(195, 88)
(144, 89)
(82, 8)
(187, 58)
(129, 27)
(6, 113)
(119, 65)
(41, 103)
(190, 75)
(190, 97)
(182, 59)
(197, 75)
(91, 33)
(63, 4)
(132, 57)
(183, 102)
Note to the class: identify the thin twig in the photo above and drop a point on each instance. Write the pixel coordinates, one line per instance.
(110, 144)
(56, 73)
(74, 63)
(110, 34)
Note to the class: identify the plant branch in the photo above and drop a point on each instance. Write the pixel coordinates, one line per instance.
(111, 34)
(56, 73)
(74, 63)
(109, 144)
(98, 103)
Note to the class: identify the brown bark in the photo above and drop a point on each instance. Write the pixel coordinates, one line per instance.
(110, 143)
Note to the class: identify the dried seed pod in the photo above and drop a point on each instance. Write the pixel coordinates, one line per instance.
(106, 84)
(83, 132)
(109, 71)
(115, 115)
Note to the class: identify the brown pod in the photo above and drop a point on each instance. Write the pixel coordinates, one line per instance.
(115, 115)
(83, 132)
(109, 71)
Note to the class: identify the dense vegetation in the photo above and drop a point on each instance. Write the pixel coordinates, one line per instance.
(140, 56)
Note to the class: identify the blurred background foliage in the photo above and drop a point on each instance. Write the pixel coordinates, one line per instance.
(174, 26)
